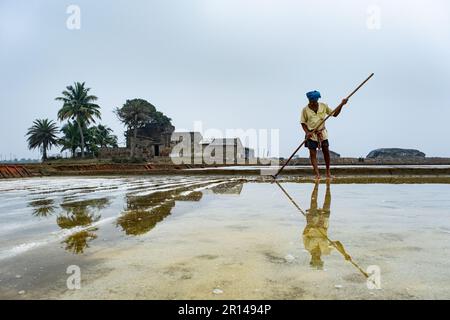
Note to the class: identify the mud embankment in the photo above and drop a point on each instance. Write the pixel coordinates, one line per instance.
(111, 169)
(14, 171)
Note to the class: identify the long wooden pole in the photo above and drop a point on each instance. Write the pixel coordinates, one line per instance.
(320, 124)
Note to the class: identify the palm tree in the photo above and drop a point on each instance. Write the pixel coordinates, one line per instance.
(104, 137)
(71, 138)
(42, 135)
(78, 105)
(95, 137)
(98, 137)
(135, 114)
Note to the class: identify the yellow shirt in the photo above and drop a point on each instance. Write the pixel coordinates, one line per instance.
(312, 119)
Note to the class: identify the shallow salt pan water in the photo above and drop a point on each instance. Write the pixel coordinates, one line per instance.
(183, 237)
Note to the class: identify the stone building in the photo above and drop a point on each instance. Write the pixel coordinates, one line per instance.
(198, 150)
(183, 147)
(152, 140)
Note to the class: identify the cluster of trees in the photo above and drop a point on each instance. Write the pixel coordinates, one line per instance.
(137, 113)
(79, 132)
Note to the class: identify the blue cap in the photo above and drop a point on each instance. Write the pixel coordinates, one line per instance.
(313, 95)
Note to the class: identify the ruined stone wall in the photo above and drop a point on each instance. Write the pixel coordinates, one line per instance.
(109, 153)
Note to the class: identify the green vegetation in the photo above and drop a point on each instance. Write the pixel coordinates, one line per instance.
(79, 106)
(78, 133)
(80, 111)
(137, 113)
(42, 135)
(71, 138)
(95, 137)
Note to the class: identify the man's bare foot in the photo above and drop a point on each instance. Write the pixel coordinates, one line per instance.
(329, 176)
(317, 177)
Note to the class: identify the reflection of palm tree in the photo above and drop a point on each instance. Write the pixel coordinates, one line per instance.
(77, 220)
(81, 214)
(77, 242)
(315, 233)
(42, 208)
(81, 206)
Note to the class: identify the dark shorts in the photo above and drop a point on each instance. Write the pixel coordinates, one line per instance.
(311, 144)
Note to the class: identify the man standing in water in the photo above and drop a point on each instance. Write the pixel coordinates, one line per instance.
(317, 137)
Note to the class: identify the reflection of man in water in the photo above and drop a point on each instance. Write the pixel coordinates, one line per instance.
(315, 233)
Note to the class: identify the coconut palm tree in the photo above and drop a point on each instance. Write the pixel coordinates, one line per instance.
(42, 135)
(79, 106)
(135, 114)
(71, 137)
(98, 137)
(95, 137)
(104, 137)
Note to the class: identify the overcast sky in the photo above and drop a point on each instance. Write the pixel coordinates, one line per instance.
(236, 64)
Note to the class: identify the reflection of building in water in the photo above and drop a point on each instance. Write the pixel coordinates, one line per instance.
(234, 187)
(316, 231)
(145, 212)
(190, 196)
(141, 221)
(81, 214)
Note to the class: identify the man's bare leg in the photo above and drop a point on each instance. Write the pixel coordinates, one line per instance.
(326, 157)
(313, 158)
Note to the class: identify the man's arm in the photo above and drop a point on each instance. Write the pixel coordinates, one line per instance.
(307, 132)
(339, 108)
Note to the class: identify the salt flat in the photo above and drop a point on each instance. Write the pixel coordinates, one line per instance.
(187, 237)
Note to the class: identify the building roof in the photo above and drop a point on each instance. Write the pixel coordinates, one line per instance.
(226, 142)
(196, 133)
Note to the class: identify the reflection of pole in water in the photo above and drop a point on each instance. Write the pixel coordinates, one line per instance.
(336, 244)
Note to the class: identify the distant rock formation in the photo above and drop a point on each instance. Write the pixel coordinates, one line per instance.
(395, 153)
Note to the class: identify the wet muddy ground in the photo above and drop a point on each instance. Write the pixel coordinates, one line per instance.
(223, 238)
